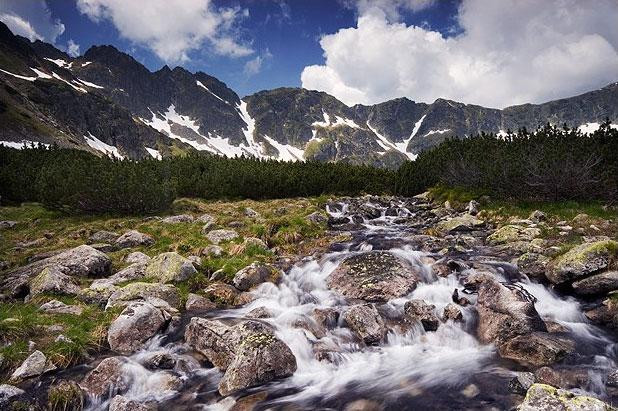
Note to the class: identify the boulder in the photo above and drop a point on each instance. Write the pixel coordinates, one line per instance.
(120, 403)
(536, 349)
(213, 339)
(65, 395)
(53, 281)
(137, 257)
(317, 218)
(365, 321)
(198, 303)
(419, 310)
(582, 260)
(251, 213)
(254, 242)
(461, 223)
(452, 312)
(133, 272)
(137, 323)
(533, 265)
(98, 293)
(205, 218)
(57, 307)
(255, 274)
(537, 216)
(181, 218)
(6, 224)
(326, 317)
(513, 233)
(219, 236)
(259, 312)
(134, 238)
(107, 379)
(144, 292)
(260, 357)
(541, 397)
(211, 251)
(222, 294)
(374, 276)
(597, 284)
(521, 382)
(473, 207)
(7, 394)
(170, 267)
(103, 236)
(36, 364)
(504, 312)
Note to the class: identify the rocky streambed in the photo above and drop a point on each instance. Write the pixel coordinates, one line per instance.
(420, 307)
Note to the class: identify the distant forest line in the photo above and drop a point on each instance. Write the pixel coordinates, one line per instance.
(550, 164)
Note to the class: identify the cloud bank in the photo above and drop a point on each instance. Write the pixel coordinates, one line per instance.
(172, 28)
(510, 52)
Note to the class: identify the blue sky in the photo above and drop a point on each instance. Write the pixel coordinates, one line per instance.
(489, 52)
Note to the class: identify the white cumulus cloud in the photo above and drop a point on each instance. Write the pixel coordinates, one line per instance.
(509, 52)
(31, 19)
(72, 48)
(172, 28)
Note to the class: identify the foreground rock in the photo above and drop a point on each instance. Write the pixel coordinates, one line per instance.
(582, 260)
(512, 233)
(504, 312)
(36, 364)
(134, 238)
(8, 393)
(137, 257)
(255, 274)
(52, 280)
(108, 378)
(365, 321)
(170, 267)
(597, 284)
(419, 310)
(541, 397)
(219, 236)
(137, 323)
(536, 349)
(462, 223)
(249, 352)
(120, 403)
(82, 261)
(373, 276)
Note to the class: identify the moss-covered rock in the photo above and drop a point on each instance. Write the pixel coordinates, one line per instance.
(512, 233)
(541, 397)
(145, 292)
(465, 222)
(170, 267)
(582, 260)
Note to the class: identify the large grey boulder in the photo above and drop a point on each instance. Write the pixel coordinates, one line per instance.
(137, 257)
(219, 236)
(133, 272)
(53, 281)
(253, 275)
(536, 349)
(504, 312)
(365, 321)
(597, 284)
(103, 236)
(36, 364)
(582, 260)
(249, 352)
(181, 218)
(58, 307)
(107, 379)
(461, 223)
(374, 276)
(144, 292)
(541, 397)
(82, 261)
(170, 267)
(137, 323)
(134, 238)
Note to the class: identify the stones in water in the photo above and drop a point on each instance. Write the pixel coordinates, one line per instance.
(452, 312)
(222, 235)
(597, 284)
(255, 274)
(461, 223)
(249, 352)
(120, 403)
(106, 379)
(533, 265)
(198, 303)
(536, 349)
(521, 382)
(170, 267)
(374, 276)
(582, 260)
(419, 310)
(134, 238)
(365, 321)
(137, 323)
(541, 397)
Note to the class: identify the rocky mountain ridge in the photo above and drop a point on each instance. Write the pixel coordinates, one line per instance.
(106, 101)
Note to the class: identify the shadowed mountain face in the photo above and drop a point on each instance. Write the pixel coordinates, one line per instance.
(107, 102)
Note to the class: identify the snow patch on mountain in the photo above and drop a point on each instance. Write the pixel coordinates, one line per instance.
(86, 63)
(199, 83)
(339, 121)
(286, 152)
(102, 147)
(60, 62)
(19, 76)
(89, 84)
(446, 130)
(41, 74)
(78, 88)
(154, 153)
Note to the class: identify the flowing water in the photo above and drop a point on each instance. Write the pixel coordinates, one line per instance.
(411, 369)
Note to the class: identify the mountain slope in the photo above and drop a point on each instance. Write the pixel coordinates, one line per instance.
(106, 101)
